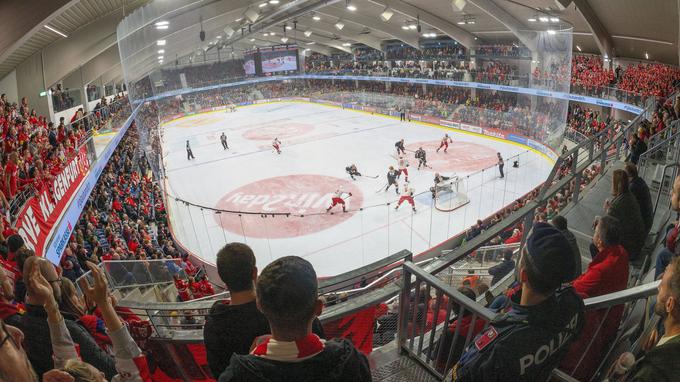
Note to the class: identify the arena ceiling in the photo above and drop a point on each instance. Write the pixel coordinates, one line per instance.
(618, 28)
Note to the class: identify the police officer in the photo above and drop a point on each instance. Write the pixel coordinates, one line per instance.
(542, 319)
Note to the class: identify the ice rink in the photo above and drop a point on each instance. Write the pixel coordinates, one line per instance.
(318, 143)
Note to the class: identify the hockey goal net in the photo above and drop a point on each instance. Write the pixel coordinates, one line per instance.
(450, 195)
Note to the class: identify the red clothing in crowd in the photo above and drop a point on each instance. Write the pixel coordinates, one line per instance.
(182, 289)
(12, 170)
(607, 273)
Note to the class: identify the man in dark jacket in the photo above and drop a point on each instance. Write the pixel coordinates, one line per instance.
(232, 326)
(500, 270)
(36, 330)
(529, 340)
(637, 148)
(287, 294)
(561, 223)
(660, 363)
(639, 188)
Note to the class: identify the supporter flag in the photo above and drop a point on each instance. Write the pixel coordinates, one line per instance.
(357, 328)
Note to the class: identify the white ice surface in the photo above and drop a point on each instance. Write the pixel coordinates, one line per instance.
(335, 139)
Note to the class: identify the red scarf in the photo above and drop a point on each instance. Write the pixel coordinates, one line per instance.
(296, 351)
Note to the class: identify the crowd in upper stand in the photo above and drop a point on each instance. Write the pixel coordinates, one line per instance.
(269, 327)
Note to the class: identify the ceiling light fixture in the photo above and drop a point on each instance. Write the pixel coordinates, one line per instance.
(647, 55)
(161, 51)
(311, 43)
(262, 5)
(551, 31)
(252, 40)
(387, 14)
(160, 42)
(308, 33)
(55, 31)
(284, 39)
(160, 23)
(532, 19)
(265, 34)
(339, 25)
(350, 7)
(161, 27)
(273, 1)
(579, 48)
(543, 19)
(272, 34)
(160, 58)
(461, 22)
(554, 19)
(316, 17)
(346, 44)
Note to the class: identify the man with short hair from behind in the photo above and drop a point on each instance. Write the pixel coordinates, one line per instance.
(530, 339)
(287, 294)
(660, 363)
(561, 223)
(231, 326)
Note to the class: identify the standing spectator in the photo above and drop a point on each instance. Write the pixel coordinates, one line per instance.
(544, 316)
(639, 188)
(500, 270)
(287, 294)
(231, 327)
(625, 208)
(637, 148)
(501, 164)
(672, 247)
(660, 363)
(607, 273)
(560, 222)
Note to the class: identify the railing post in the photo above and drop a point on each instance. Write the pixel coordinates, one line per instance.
(404, 307)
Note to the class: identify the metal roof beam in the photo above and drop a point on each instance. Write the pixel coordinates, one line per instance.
(353, 36)
(602, 37)
(464, 37)
(508, 20)
(384, 27)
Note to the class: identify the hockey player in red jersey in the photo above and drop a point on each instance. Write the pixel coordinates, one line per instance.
(406, 196)
(276, 144)
(337, 199)
(445, 143)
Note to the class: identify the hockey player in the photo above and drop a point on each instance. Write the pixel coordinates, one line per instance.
(190, 155)
(422, 157)
(403, 167)
(337, 199)
(276, 144)
(406, 196)
(437, 179)
(223, 140)
(445, 143)
(392, 175)
(400, 147)
(352, 171)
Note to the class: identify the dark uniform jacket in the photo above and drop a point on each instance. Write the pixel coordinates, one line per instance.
(526, 343)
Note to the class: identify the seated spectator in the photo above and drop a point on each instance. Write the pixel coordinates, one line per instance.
(639, 188)
(458, 330)
(541, 315)
(607, 273)
(499, 271)
(560, 222)
(37, 339)
(287, 294)
(660, 361)
(671, 248)
(637, 148)
(625, 208)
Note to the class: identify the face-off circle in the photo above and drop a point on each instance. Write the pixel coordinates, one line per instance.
(295, 194)
(460, 156)
(281, 129)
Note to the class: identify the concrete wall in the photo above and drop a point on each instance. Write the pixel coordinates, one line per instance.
(8, 86)
(30, 82)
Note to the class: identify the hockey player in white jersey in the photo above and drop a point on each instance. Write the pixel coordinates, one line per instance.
(337, 198)
(406, 196)
(402, 164)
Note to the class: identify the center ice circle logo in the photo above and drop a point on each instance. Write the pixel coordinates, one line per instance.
(307, 195)
(280, 130)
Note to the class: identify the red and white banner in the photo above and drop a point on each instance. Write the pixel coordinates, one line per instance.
(42, 212)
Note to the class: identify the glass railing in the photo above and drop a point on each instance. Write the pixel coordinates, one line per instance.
(66, 99)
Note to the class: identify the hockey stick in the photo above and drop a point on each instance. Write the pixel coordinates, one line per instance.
(381, 188)
(369, 176)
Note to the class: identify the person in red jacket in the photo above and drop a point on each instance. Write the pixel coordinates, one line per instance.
(182, 288)
(11, 175)
(607, 273)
